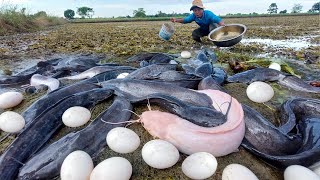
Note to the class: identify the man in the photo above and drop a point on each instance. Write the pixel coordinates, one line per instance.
(204, 18)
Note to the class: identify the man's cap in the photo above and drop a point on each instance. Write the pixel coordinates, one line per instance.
(196, 4)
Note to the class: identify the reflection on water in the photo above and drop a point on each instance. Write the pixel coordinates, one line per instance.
(23, 65)
(18, 66)
(307, 72)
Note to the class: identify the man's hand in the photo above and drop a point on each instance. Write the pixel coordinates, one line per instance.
(221, 23)
(179, 20)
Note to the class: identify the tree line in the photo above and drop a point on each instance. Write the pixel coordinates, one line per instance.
(297, 8)
(140, 13)
(87, 12)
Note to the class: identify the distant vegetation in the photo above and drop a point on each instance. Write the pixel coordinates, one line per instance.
(165, 18)
(315, 8)
(140, 14)
(119, 19)
(13, 20)
(281, 13)
(69, 14)
(297, 8)
(83, 12)
(273, 10)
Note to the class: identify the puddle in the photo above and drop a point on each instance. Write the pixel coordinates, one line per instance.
(295, 44)
(307, 72)
(18, 66)
(21, 66)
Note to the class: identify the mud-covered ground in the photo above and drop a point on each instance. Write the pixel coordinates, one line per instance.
(120, 40)
(128, 38)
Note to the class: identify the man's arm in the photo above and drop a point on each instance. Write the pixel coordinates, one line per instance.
(179, 20)
(187, 19)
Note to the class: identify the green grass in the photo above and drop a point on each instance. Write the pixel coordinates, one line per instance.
(15, 20)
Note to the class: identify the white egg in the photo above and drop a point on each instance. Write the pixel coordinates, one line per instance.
(238, 172)
(123, 140)
(200, 165)
(185, 54)
(259, 92)
(10, 99)
(297, 172)
(317, 171)
(275, 66)
(38, 79)
(115, 168)
(160, 154)
(11, 122)
(122, 75)
(76, 116)
(77, 165)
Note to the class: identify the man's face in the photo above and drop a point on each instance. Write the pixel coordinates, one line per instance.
(198, 12)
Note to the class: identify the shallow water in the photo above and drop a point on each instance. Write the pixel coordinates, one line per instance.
(16, 66)
(295, 44)
(307, 72)
(226, 36)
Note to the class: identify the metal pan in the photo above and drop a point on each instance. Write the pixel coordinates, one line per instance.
(229, 35)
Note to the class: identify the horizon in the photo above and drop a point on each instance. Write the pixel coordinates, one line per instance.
(123, 8)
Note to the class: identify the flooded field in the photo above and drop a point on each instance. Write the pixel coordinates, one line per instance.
(291, 41)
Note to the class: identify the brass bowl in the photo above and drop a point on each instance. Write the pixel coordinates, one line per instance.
(229, 35)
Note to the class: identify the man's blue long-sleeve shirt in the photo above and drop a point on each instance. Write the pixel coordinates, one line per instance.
(207, 18)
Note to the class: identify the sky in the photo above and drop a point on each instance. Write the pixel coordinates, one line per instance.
(115, 8)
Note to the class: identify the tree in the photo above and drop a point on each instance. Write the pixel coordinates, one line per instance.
(40, 14)
(69, 14)
(161, 14)
(23, 11)
(139, 13)
(297, 8)
(85, 12)
(315, 8)
(310, 11)
(283, 11)
(273, 8)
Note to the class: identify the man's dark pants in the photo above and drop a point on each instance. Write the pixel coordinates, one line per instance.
(198, 33)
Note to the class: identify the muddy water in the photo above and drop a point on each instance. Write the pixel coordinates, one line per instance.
(226, 36)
